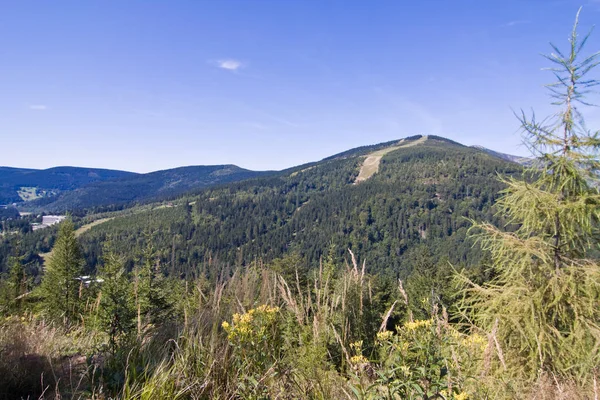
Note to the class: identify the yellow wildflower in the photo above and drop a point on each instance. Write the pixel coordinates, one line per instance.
(356, 345)
(246, 318)
(405, 370)
(475, 340)
(358, 359)
(461, 396)
(385, 335)
(411, 326)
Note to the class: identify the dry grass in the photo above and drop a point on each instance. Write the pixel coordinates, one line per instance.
(40, 360)
(193, 360)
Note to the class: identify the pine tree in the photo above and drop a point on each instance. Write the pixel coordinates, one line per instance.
(16, 282)
(151, 289)
(13, 287)
(60, 285)
(427, 286)
(543, 307)
(116, 306)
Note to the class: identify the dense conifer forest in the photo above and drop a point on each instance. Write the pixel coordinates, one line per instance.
(422, 194)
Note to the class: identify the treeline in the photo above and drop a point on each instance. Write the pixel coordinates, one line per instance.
(139, 188)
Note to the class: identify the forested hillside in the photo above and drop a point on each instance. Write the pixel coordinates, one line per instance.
(421, 195)
(153, 186)
(16, 182)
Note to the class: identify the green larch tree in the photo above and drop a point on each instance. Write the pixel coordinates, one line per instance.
(543, 306)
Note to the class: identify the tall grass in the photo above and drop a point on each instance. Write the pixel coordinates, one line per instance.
(255, 335)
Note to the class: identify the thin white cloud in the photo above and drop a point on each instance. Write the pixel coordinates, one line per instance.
(255, 125)
(282, 121)
(38, 107)
(517, 22)
(229, 64)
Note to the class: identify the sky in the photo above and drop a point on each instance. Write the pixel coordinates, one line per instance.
(268, 84)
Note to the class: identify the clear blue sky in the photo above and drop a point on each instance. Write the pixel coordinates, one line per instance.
(148, 85)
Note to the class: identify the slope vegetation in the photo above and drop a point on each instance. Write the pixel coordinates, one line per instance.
(145, 187)
(19, 183)
(420, 195)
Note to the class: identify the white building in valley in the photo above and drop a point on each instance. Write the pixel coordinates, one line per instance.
(52, 219)
(48, 220)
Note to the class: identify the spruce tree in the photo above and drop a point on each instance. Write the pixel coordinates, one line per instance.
(543, 307)
(151, 291)
(16, 282)
(60, 285)
(427, 286)
(116, 302)
(14, 286)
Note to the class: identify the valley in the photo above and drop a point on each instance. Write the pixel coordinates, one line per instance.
(63, 189)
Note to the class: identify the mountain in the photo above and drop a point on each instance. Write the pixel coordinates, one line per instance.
(71, 188)
(504, 156)
(144, 187)
(384, 202)
(20, 184)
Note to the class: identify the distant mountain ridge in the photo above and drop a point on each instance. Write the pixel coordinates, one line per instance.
(504, 156)
(423, 191)
(50, 181)
(69, 188)
(144, 187)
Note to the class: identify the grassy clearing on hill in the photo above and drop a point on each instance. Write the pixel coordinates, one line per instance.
(89, 226)
(371, 164)
(30, 193)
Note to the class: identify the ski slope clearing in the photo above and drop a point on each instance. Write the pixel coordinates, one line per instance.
(371, 164)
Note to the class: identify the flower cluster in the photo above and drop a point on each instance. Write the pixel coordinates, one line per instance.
(475, 341)
(358, 358)
(254, 322)
(411, 326)
(384, 336)
(455, 396)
